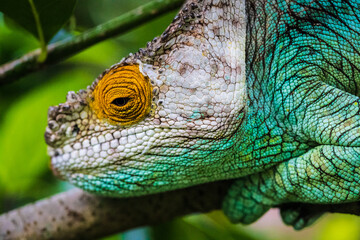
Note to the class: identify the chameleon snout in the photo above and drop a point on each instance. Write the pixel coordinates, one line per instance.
(64, 119)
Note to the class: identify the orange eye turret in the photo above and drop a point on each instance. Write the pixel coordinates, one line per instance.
(123, 96)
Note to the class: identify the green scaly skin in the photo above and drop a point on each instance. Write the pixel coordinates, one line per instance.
(265, 92)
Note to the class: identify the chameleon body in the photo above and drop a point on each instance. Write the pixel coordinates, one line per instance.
(265, 92)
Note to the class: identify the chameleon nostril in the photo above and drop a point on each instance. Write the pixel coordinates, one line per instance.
(76, 129)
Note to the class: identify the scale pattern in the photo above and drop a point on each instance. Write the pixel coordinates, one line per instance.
(265, 92)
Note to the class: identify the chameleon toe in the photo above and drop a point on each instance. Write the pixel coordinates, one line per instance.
(299, 217)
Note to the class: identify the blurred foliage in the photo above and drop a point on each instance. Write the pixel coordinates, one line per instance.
(52, 14)
(42, 18)
(211, 226)
(24, 172)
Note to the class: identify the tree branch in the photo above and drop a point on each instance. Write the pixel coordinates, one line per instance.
(79, 215)
(65, 49)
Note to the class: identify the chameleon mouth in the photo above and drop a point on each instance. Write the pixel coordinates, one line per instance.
(56, 172)
(65, 164)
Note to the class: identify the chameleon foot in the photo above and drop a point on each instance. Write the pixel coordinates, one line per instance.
(298, 216)
(319, 176)
(244, 203)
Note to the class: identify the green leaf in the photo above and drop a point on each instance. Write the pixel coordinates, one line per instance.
(52, 14)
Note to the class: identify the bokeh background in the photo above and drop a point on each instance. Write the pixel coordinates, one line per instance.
(25, 175)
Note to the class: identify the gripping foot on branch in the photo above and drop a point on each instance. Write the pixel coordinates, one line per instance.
(319, 176)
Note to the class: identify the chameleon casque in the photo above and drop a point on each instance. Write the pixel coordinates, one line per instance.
(261, 91)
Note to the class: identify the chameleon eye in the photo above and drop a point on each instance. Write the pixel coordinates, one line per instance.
(121, 101)
(122, 96)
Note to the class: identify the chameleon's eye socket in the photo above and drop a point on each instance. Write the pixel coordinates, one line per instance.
(122, 96)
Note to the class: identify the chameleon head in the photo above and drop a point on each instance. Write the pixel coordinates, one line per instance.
(142, 129)
(163, 118)
(131, 134)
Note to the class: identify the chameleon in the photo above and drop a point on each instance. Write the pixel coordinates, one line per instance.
(264, 92)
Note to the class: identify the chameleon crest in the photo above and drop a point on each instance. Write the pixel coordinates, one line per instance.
(262, 92)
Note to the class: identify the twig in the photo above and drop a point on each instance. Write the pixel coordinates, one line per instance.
(64, 49)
